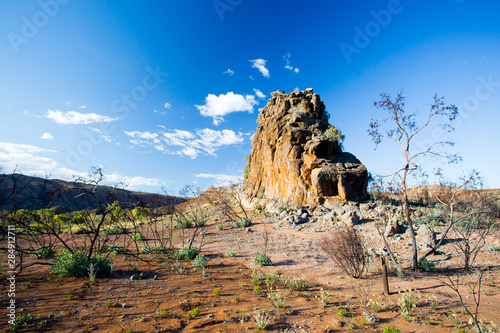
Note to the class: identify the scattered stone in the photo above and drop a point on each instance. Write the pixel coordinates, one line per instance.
(393, 227)
(366, 206)
(143, 275)
(136, 276)
(426, 237)
(350, 218)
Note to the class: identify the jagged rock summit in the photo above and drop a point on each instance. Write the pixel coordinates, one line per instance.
(296, 157)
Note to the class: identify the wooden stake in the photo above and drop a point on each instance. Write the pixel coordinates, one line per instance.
(385, 281)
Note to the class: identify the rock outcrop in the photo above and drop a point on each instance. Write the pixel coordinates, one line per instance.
(296, 156)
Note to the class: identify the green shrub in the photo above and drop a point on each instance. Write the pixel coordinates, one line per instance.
(334, 134)
(261, 259)
(230, 253)
(187, 252)
(200, 261)
(196, 311)
(427, 266)
(342, 313)
(75, 264)
(391, 329)
(243, 223)
(154, 249)
(216, 292)
(219, 226)
(184, 224)
(115, 231)
(138, 236)
(295, 284)
(43, 252)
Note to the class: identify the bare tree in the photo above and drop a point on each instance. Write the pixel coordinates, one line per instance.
(474, 286)
(469, 215)
(403, 127)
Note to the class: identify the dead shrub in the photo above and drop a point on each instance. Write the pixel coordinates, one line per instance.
(346, 249)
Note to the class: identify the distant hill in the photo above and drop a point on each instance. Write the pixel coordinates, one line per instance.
(19, 191)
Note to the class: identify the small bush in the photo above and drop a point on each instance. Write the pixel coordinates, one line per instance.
(375, 304)
(230, 253)
(243, 223)
(70, 297)
(200, 261)
(115, 231)
(138, 236)
(257, 289)
(347, 250)
(161, 313)
(75, 264)
(391, 329)
(216, 292)
(296, 284)
(271, 278)
(334, 134)
(110, 304)
(256, 276)
(427, 266)
(261, 259)
(187, 252)
(43, 252)
(184, 224)
(262, 320)
(342, 313)
(219, 226)
(407, 302)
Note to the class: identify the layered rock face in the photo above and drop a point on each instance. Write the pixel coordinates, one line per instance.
(296, 157)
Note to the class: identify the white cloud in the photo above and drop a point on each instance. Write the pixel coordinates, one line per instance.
(82, 107)
(259, 93)
(67, 103)
(15, 148)
(229, 71)
(76, 118)
(218, 106)
(189, 151)
(205, 141)
(47, 136)
(142, 135)
(131, 182)
(287, 63)
(221, 180)
(25, 159)
(105, 136)
(167, 106)
(260, 64)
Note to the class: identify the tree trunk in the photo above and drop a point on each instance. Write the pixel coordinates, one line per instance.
(406, 209)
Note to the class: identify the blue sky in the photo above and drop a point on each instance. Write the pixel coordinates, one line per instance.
(166, 93)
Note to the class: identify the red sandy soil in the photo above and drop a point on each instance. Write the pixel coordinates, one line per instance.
(294, 254)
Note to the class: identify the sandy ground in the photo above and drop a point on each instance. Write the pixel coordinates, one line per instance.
(164, 304)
